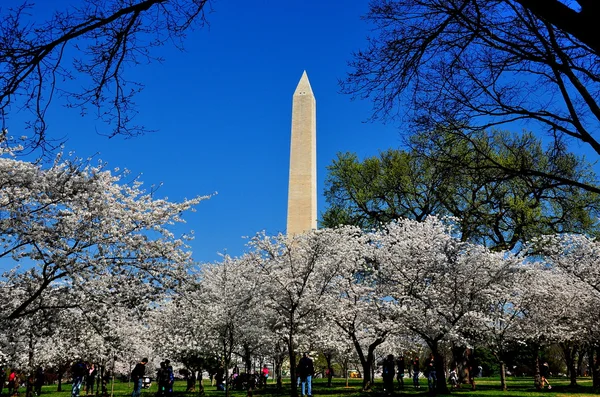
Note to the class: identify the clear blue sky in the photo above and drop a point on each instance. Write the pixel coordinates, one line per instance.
(222, 111)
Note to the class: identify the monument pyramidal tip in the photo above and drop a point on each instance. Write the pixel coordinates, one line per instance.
(302, 191)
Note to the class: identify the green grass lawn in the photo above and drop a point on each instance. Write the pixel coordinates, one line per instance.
(517, 387)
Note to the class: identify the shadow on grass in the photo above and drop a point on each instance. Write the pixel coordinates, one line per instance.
(486, 387)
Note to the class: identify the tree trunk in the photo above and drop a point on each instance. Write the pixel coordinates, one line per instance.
(328, 357)
(247, 358)
(537, 379)
(503, 375)
(60, 372)
(580, 358)
(594, 366)
(365, 362)
(292, 356)
(200, 383)
(570, 350)
(441, 385)
(572, 367)
(278, 365)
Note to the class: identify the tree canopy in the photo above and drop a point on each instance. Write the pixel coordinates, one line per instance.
(443, 174)
(471, 65)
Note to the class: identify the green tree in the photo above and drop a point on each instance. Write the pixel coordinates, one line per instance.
(444, 175)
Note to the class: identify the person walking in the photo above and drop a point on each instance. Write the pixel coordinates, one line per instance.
(77, 373)
(305, 372)
(264, 375)
(137, 377)
(388, 374)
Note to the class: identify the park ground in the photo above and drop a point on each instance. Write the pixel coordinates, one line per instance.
(517, 387)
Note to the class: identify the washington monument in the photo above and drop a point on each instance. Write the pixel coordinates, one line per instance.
(302, 193)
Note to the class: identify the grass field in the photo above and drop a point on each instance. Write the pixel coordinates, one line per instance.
(517, 387)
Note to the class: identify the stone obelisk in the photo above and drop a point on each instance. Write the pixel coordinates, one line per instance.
(302, 193)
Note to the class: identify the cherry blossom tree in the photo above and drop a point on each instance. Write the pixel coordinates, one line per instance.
(226, 296)
(178, 332)
(573, 266)
(500, 328)
(295, 273)
(363, 311)
(69, 224)
(440, 282)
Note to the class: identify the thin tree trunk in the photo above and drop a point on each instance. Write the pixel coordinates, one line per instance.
(594, 365)
(278, 375)
(292, 356)
(247, 359)
(200, 383)
(537, 379)
(503, 375)
(328, 358)
(580, 358)
(61, 372)
(572, 367)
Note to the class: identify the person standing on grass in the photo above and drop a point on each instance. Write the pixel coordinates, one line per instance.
(431, 373)
(400, 371)
(388, 374)
(305, 372)
(171, 379)
(39, 381)
(137, 377)
(416, 367)
(162, 379)
(264, 374)
(90, 378)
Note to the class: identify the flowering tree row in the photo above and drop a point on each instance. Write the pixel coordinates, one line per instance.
(99, 274)
(344, 290)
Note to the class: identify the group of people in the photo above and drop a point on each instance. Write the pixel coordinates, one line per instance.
(164, 378)
(83, 374)
(392, 368)
(12, 381)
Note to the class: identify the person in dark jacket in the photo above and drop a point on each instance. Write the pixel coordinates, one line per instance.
(305, 373)
(90, 378)
(137, 377)
(400, 371)
(388, 374)
(430, 373)
(416, 367)
(78, 373)
(39, 381)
